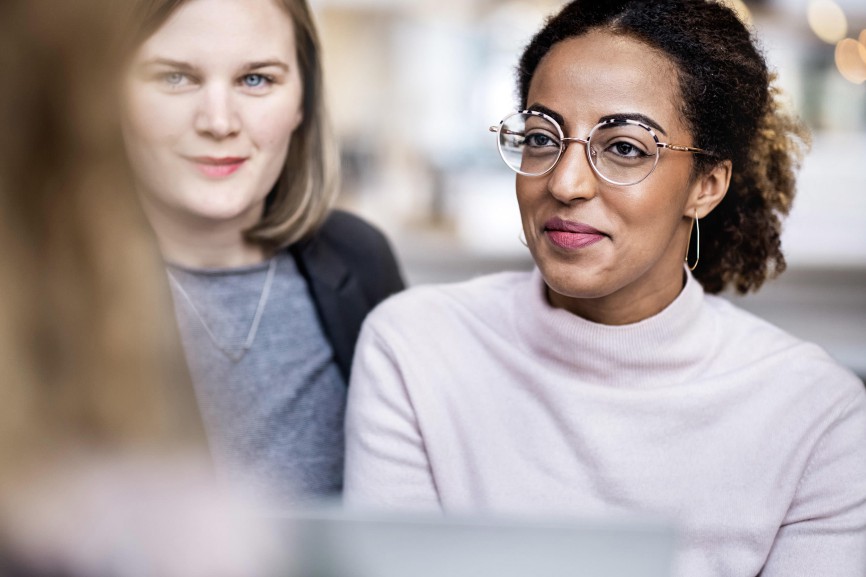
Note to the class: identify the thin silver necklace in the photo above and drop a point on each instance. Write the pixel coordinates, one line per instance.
(254, 328)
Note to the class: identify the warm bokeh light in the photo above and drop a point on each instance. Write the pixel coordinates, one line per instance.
(827, 20)
(850, 60)
(863, 45)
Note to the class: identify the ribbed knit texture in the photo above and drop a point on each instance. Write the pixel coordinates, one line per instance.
(480, 396)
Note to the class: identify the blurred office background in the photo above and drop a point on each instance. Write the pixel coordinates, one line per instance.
(414, 85)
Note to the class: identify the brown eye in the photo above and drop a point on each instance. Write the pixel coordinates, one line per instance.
(539, 140)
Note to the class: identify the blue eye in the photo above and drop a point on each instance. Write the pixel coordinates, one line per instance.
(174, 78)
(255, 80)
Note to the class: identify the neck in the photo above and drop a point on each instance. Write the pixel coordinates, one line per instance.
(198, 244)
(664, 348)
(626, 306)
(210, 251)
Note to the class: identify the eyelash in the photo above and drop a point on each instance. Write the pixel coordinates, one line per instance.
(267, 79)
(167, 76)
(182, 79)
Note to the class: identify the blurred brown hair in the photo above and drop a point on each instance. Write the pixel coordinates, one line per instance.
(89, 355)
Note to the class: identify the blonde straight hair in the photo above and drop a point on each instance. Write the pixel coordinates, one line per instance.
(309, 182)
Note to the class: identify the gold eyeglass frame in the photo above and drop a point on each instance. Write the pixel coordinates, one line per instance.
(564, 141)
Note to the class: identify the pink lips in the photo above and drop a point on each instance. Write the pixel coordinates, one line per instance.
(217, 167)
(571, 235)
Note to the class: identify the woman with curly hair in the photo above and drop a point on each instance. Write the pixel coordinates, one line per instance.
(611, 379)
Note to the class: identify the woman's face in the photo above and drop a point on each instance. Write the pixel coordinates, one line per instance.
(612, 254)
(212, 100)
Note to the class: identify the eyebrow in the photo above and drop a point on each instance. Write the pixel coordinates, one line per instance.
(634, 116)
(186, 66)
(167, 62)
(267, 64)
(618, 116)
(551, 113)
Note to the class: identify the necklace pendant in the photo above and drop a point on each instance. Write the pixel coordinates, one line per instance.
(235, 357)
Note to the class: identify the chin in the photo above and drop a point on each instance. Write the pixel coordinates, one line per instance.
(576, 280)
(226, 208)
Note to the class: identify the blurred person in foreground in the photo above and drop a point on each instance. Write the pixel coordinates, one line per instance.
(611, 379)
(104, 468)
(236, 167)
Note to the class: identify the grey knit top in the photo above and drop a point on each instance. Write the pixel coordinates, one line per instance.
(274, 417)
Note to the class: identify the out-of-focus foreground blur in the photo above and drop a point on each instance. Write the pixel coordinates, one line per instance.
(104, 468)
(414, 84)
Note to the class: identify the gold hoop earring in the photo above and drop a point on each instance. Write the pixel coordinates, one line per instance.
(522, 239)
(697, 226)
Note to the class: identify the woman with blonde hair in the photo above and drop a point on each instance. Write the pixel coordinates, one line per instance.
(236, 168)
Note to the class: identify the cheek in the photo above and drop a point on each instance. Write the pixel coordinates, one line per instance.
(529, 194)
(647, 218)
(633, 209)
(272, 123)
(150, 120)
(272, 135)
(272, 141)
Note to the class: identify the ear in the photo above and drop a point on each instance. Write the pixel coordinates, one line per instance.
(708, 190)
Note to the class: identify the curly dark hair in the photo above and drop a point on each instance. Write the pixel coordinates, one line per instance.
(730, 106)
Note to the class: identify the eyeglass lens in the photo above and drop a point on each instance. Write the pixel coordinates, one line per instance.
(621, 152)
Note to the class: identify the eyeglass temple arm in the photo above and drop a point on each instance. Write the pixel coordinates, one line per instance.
(684, 148)
(498, 127)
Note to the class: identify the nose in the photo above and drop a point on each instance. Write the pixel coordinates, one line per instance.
(572, 178)
(217, 116)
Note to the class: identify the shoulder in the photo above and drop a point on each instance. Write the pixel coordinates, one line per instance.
(352, 235)
(360, 248)
(795, 364)
(484, 299)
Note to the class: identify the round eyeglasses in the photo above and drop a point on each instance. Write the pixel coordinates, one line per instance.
(621, 151)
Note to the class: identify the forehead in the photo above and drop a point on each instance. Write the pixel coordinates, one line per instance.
(600, 73)
(222, 29)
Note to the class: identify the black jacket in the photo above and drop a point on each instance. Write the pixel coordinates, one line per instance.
(350, 268)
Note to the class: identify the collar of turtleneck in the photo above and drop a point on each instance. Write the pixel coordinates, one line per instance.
(668, 348)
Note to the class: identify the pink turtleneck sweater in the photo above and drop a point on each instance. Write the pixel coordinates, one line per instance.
(481, 397)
